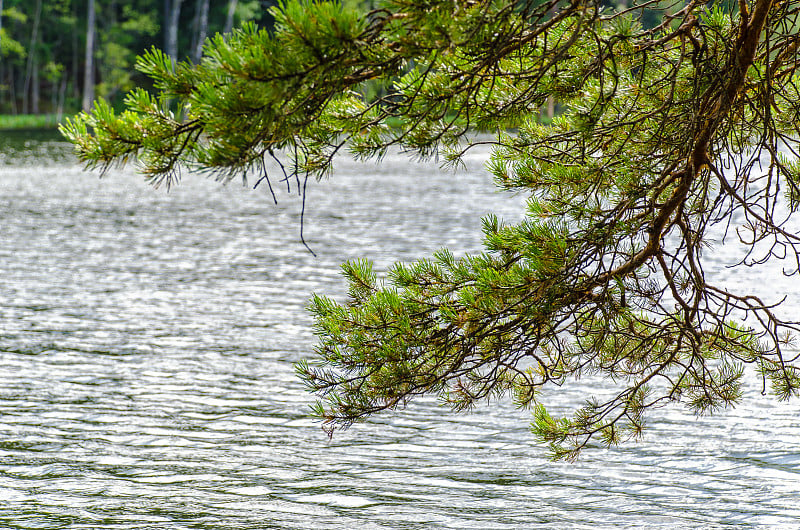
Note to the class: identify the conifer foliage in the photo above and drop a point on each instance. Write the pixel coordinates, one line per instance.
(675, 117)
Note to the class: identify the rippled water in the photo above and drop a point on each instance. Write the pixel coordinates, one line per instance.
(146, 377)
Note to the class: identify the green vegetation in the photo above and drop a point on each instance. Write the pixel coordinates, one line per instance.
(29, 121)
(49, 50)
(668, 131)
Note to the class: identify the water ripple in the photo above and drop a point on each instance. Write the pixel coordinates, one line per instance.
(147, 349)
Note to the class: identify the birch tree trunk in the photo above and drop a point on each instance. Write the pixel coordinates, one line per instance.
(35, 95)
(88, 72)
(1, 27)
(62, 91)
(229, 19)
(202, 29)
(167, 11)
(1, 42)
(173, 15)
(31, 58)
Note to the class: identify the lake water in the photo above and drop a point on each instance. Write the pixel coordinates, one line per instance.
(147, 342)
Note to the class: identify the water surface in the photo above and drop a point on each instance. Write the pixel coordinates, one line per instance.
(147, 342)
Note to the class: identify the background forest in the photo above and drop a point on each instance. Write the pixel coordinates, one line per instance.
(56, 56)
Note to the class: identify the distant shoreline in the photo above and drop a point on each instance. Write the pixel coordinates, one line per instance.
(13, 122)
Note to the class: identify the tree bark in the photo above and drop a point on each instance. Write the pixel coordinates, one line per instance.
(202, 29)
(88, 72)
(12, 88)
(31, 58)
(35, 95)
(167, 11)
(1, 27)
(173, 15)
(229, 19)
(62, 91)
(1, 42)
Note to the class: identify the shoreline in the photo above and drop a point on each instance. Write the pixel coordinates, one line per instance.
(21, 122)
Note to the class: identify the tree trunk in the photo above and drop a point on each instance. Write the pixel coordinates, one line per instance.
(1, 26)
(1, 43)
(75, 88)
(167, 11)
(88, 72)
(35, 87)
(173, 15)
(202, 29)
(31, 58)
(12, 88)
(62, 91)
(229, 19)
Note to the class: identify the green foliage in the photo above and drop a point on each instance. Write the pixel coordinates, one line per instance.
(247, 11)
(123, 31)
(9, 47)
(666, 111)
(28, 121)
(117, 50)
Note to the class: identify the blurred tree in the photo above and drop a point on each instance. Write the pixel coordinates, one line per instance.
(88, 68)
(172, 9)
(229, 18)
(125, 29)
(201, 29)
(31, 70)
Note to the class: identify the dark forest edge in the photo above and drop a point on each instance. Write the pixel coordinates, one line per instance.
(56, 56)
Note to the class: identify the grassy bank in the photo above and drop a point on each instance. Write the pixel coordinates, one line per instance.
(28, 121)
